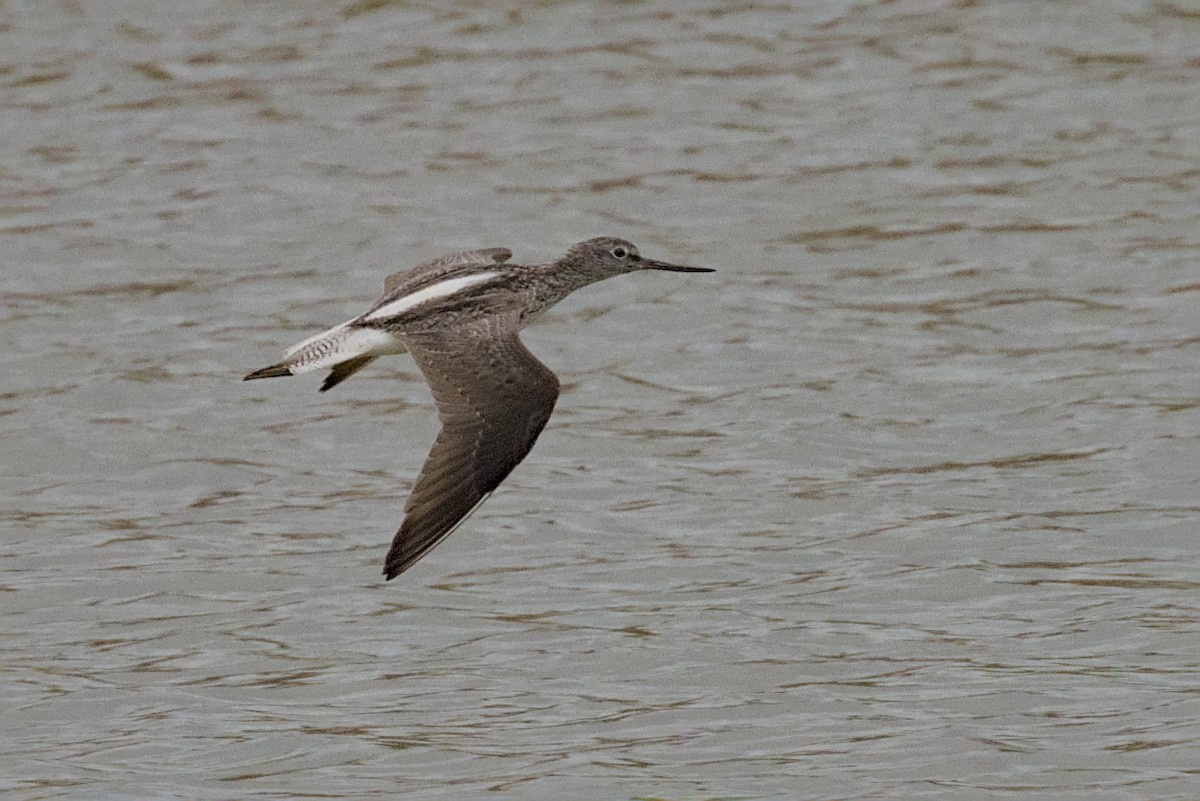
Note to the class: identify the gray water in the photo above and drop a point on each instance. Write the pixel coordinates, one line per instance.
(898, 504)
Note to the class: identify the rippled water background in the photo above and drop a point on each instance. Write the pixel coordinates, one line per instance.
(901, 503)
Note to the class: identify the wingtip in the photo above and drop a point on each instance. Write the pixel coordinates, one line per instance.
(331, 381)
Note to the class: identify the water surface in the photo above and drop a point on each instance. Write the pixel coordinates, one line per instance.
(900, 503)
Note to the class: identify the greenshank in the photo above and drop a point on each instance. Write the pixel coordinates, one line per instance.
(460, 316)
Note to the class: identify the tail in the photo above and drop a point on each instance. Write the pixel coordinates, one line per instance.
(274, 371)
(343, 348)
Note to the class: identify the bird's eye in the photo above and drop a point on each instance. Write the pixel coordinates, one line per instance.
(620, 252)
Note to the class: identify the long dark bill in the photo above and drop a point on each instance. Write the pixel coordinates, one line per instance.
(651, 264)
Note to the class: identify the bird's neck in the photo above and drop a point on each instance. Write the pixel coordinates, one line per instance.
(552, 282)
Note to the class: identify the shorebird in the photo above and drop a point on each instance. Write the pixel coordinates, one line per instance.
(459, 316)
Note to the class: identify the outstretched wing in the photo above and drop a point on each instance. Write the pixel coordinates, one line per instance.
(493, 398)
(409, 280)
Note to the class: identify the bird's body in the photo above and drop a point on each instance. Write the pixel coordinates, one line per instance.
(459, 316)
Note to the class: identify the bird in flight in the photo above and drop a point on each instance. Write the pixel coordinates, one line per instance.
(460, 316)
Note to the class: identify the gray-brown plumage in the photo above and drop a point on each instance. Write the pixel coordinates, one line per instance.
(460, 316)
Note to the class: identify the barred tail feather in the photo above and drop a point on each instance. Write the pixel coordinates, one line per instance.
(344, 348)
(274, 371)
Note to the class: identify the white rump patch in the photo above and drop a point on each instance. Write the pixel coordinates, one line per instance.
(442, 289)
(337, 345)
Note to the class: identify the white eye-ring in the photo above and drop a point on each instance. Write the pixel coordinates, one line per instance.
(620, 252)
